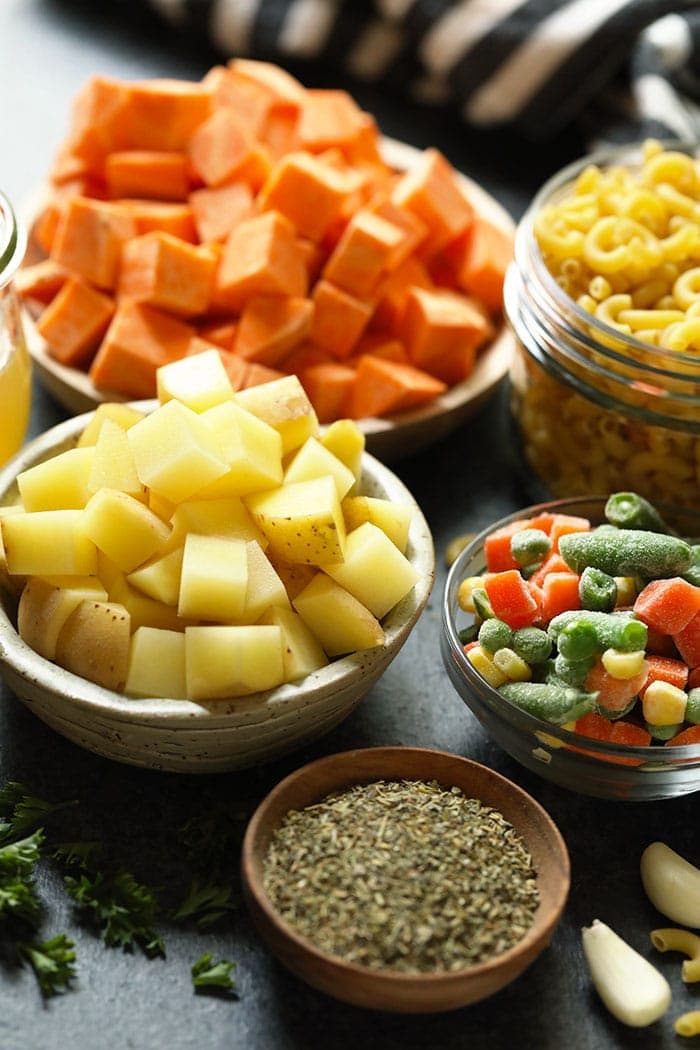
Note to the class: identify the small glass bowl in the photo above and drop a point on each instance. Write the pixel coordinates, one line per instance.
(591, 767)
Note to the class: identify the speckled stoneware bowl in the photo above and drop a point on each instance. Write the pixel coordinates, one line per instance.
(205, 737)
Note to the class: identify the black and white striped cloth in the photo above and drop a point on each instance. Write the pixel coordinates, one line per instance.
(625, 69)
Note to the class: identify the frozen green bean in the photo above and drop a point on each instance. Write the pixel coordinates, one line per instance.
(481, 603)
(629, 552)
(597, 590)
(616, 630)
(532, 644)
(573, 672)
(627, 510)
(578, 640)
(549, 701)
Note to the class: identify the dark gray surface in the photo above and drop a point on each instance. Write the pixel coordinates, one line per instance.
(121, 1000)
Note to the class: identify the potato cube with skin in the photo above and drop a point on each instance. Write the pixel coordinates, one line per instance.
(113, 465)
(46, 604)
(127, 531)
(302, 522)
(213, 517)
(175, 452)
(213, 579)
(293, 575)
(157, 664)
(251, 448)
(313, 460)
(230, 661)
(94, 643)
(265, 588)
(123, 415)
(159, 578)
(59, 483)
(374, 571)
(199, 381)
(346, 441)
(339, 621)
(301, 651)
(392, 518)
(48, 543)
(143, 610)
(284, 405)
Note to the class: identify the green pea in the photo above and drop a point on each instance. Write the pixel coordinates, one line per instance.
(573, 672)
(529, 545)
(578, 640)
(597, 590)
(663, 732)
(692, 708)
(494, 634)
(532, 644)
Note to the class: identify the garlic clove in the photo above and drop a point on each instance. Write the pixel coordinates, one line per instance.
(672, 884)
(631, 988)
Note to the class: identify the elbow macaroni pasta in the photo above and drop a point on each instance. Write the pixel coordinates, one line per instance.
(677, 940)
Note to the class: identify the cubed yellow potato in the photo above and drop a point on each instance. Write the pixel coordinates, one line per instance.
(346, 441)
(94, 643)
(265, 588)
(336, 618)
(59, 483)
(126, 530)
(251, 449)
(157, 664)
(113, 465)
(48, 543)
(302, 522)
(374, 571)
(394, 519)
(213, 579)
(164, 508)
(284, 405)
(213, 517)
(159, 577)
(199, 381)
(13, 584)
(313, 460)
(145, 611)
(124, 415)
(301, 650)
(230, 661)
(175, 452)
(46, 604)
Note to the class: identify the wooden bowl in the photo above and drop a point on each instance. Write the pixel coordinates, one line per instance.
(386, 990)
(216, 735)
(389, 438)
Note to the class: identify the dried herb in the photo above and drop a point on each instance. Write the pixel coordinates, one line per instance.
(403, 875)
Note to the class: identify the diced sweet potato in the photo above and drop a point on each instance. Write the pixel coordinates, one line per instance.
(218, 210)
(89, 239)
(271, 326)
(176, 219)
(365, 250)
(431, 190)
(261, 255)
(328, 387)
(383, 387)
(147, 173)
(442, 331)
(223, 149)
(339, 319)
(309, 193)
(74, 322)
(482, 257)
(168, 273)
(41, 281)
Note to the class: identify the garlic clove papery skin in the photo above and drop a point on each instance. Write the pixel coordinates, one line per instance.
(630, 987)
(672, 884)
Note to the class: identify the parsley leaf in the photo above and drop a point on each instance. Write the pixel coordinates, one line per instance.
(18, 896)
(121, 907)
(23, 810)
(205, 903)
(76, 854)
(208, 974)
(52, 962)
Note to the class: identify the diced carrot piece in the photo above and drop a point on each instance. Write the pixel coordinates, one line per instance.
(364, 251)
(543, 521)
(147, 173)
(559, 594)
(393, 291)
(280, 84)
(162, 114)
(663, 669)
(383, 387)
(688, 642)
(138, 341)
(668, 605)
(614, 694)
(511, 598)
(261, 255)
(694, 678)
(381, 346)
(442, 331)
(41, 281)
(218, 210)
(553, 563)
(497, 546)
(90, 237)
(661, 644)
(149, 216)
(690, 735)
(221, 333)
(622, 732)
(305, 356)
(257, 374)
(309, 193)
(564, 524)
(271, 326)
(223, 149)
(432, 191)
(469, 646)
(480, 259)
(594, 726)
(339, 319)
(328, 387)
(168, 273)
(414, 229)
(75, 321)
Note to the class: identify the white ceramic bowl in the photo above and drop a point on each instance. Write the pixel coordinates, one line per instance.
(184, 736)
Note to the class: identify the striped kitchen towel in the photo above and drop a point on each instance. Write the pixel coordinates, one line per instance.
(624, 69)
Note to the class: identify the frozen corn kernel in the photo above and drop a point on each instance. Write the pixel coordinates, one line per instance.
(466, 589)
(623, 665)
(482, 662)
(627, 590)
(663, 704)
(512, 665)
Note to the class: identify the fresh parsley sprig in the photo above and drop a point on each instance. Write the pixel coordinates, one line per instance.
(206, 974)
(205, 904)
(18, 896)
(52, 962)
(122, 908)
(22, 810)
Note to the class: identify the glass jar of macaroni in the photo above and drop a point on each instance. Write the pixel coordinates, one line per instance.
(598, 405)
(15, 363)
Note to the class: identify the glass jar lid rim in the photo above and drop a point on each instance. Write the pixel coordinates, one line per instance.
(12, 241)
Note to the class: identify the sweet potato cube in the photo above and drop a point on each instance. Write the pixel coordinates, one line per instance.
(305, 356)
(223, 149)
(138, 341)
(432, 191)
(384, 346)
(328, 386)
(484, 259)
(442, 331)
(89, 239)
(147, 173)
(97, 119)
(250, 101)
(123, 528)
(164, 271)
(329, 118)
(163, 114)
(414, 229)
(281, 86)
(176, 219)
(271, 326)
(74, 322)
(366, 248)
(261, 255)
(257, 375)
(217, 210)
(382, 387)
(41, 281)
(198, 381)
(339, 319)
(311, 194)
(219, 333)
(392, 294)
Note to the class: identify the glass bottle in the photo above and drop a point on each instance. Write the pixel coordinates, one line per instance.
(15, 363)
